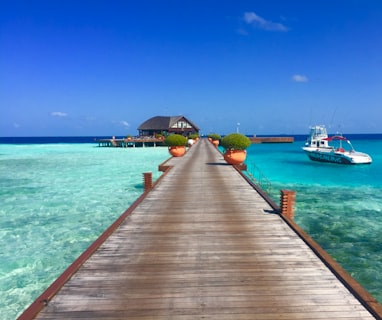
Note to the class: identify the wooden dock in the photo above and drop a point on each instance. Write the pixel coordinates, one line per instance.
(130, 142)
(203, 244)
(272, 139)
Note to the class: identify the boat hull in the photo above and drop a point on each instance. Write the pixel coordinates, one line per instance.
(337, 157)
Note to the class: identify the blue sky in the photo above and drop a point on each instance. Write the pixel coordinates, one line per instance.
(88, 68)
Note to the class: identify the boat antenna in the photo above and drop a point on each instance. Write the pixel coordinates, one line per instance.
(331, 120)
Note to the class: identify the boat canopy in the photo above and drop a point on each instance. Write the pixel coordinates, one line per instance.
(335, 138)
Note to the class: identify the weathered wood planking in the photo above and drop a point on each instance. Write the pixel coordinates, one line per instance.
(204, 245)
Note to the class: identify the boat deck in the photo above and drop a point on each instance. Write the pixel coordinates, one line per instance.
(203, 244)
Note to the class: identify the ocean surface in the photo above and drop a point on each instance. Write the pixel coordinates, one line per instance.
(56, 199)
(339, 206)
(59, 194)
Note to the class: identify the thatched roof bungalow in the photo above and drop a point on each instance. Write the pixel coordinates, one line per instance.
(167, 125)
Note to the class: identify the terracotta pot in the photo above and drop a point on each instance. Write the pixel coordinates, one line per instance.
(235, 156)
(177, 151)
(215, 143)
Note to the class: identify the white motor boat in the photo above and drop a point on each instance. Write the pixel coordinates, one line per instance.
(335, 149)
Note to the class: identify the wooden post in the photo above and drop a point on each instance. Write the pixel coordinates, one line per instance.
(288, 200)
(242, 166)
(148, 180)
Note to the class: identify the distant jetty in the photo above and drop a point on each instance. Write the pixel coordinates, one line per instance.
(130, 142)
(255, 139)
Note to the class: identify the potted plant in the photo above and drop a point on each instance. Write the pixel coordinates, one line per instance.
(176, 144)
(214, 138)
(235, 145)
(159, 136)
(193, 136)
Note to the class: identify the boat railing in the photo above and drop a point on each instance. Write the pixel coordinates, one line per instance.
(258, 177)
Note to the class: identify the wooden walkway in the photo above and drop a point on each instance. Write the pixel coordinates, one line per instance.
(203, 245)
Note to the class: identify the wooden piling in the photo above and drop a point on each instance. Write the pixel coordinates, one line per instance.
(148, 180)
(287, 202)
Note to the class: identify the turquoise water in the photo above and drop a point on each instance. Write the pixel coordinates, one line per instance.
(340, 206)
(56, 200)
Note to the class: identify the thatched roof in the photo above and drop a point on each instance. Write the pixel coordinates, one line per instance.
(163, 123)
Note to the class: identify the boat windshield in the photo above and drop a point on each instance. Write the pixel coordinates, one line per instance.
(318, 131)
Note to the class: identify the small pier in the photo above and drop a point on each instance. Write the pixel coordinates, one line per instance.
(271, 139)
(204, 243)
(130, 142)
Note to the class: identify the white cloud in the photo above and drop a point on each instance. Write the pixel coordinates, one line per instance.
(259, 22)
(58, 114)
(299, 78)
(125, 124)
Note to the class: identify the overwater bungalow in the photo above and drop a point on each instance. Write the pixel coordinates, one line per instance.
(152, 131)
(166, 125)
